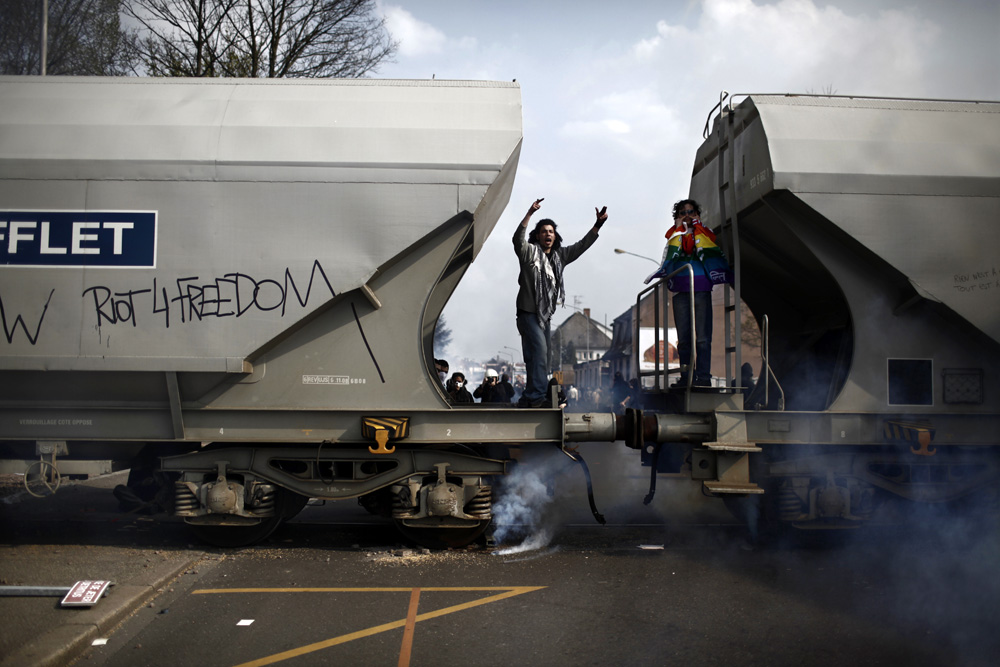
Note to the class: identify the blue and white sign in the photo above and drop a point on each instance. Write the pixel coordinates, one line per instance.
(122, 239)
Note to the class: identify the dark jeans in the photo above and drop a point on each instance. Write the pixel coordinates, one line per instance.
(535, 346)
(703, 329)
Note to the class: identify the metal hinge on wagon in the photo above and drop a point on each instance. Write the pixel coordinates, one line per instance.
(384, 430)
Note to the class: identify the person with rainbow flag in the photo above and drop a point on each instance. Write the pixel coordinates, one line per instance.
(690, 242)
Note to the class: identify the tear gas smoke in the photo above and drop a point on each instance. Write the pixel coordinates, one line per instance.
(538, 540)
(521, 510)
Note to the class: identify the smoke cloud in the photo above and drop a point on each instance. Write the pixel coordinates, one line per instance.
(522, 511)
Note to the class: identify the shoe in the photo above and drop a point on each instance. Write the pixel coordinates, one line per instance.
(682, 383)
(525, 403)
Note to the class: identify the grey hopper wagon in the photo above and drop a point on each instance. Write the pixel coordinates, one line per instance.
(247, 275)
(864, 234)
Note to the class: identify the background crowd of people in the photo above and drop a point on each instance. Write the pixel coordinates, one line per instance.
(497, 388)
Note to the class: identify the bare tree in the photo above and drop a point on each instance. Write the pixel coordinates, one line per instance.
(262, 38)
(84, 37)
(442, 336)
(182, 37)
(750, 330)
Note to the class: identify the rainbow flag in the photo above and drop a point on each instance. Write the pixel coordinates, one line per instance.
(695, 246)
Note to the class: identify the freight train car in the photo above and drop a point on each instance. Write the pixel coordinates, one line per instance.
(247, 275)
(230, 287)
(863, 233)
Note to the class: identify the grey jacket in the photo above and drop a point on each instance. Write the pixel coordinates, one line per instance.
(526, 253)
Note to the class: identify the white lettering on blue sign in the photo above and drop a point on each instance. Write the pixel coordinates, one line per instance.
(122, 239)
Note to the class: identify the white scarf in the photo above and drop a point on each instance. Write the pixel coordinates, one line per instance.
(549, 290)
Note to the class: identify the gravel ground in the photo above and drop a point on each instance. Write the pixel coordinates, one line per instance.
(11, 484)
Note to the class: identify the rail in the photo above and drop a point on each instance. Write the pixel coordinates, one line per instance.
(765, 352)
(657, 298)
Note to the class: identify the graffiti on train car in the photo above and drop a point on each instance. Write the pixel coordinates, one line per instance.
(193, 298)
(16, 321)
(185, 300)
(980, 281)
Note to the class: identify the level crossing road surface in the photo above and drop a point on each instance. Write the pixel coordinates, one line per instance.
(672, 583)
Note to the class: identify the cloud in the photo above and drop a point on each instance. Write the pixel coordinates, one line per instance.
(596, 128)
(746, 46)
(635, 121)
(647, 49)
(793, 46)
(415, 37)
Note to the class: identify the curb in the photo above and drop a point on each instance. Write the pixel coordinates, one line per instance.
(59, 645)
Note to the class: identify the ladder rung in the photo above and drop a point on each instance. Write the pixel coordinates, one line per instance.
(732, 446)
(740, 489)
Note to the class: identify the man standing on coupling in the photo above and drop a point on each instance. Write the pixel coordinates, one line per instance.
(543, 259)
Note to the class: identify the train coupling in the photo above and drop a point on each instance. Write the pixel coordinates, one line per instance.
(636, 428)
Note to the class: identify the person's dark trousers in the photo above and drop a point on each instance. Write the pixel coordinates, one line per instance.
(703, 334)
(535, 347)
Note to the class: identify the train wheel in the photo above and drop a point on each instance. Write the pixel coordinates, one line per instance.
(287, 505)
(294, 503)
(434, 537)
(378, 503)
(429, 532)
(229, 537)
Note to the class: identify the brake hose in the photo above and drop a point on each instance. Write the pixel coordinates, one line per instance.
(590, 486)
(652, 474)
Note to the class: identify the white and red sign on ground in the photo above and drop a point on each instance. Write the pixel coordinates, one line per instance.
(85, 593)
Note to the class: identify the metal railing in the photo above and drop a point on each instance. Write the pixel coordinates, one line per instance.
(659, 291)
(765, 351)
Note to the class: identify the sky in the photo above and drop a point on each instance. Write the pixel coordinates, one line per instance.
(615, 97)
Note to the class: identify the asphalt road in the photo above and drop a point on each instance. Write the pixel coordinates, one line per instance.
(593, 596)
(672, 583)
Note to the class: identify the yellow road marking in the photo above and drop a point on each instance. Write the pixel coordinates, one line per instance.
(388, 589)
(510, 591)
(411, 622)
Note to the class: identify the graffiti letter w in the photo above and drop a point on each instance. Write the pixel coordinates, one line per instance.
(9, 331)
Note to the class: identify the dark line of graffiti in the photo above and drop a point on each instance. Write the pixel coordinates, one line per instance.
(121, 308)
(365, 339)
(231, 295)
(19, 322)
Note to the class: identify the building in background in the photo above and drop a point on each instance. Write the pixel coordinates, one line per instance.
(621, 356)
(579, 340)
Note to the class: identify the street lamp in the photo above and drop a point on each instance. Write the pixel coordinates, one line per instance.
(619, 251)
